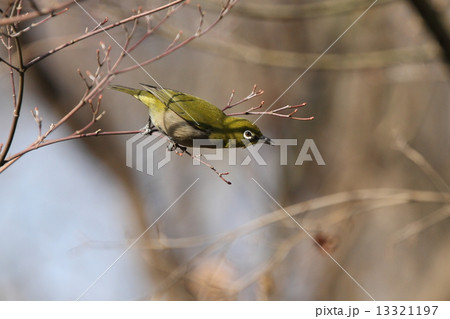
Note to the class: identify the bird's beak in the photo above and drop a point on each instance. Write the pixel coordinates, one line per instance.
(266, 140)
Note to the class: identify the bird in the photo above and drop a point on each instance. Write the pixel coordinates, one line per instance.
(184, 118)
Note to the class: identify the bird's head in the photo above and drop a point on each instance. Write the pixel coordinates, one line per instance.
(243, 132)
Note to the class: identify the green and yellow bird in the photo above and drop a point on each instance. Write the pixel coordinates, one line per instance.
(184, 118)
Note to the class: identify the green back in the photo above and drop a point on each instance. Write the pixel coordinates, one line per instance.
(196, 111)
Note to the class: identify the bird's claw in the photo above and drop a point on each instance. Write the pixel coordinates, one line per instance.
(173, 146)
(149, 129)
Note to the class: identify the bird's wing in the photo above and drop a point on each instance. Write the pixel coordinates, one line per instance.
(197, 112)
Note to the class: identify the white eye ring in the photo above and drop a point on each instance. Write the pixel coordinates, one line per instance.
(248, 134)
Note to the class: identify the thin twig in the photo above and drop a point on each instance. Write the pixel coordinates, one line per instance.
(254, 93)
(276, 112)
(95, 115)
(34, 14)
(198, 158)
(33, 25)
(175, 40)
(9, 64)
(182, 150)
(202, 19)
(151, 30)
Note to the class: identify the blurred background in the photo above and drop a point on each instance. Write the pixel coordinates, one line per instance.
(380, 97)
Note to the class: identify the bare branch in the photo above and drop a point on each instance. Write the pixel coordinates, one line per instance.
(97, 30)
(276, 112)
(11, 159)
(17, 102)
(227, 6)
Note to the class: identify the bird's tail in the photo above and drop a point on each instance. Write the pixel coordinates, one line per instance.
(131, 91)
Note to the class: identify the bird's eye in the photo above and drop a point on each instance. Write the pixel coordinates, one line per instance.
(248, 134)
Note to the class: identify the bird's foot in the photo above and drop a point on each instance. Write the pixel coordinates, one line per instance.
(149, 129)
(173, 147)
(181, 151)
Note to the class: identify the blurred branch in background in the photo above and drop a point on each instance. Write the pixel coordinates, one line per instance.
(423, 164)
(370, 198)
(434, 21)
(414, 228)
(362, 202)
(434, 217)
(286, 12)
(373, 59)
(301, 60)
